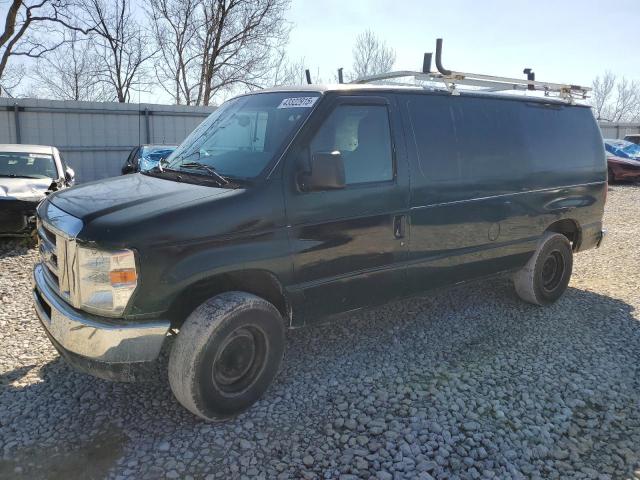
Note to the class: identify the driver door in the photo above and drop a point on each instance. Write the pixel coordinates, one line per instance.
(349, 245)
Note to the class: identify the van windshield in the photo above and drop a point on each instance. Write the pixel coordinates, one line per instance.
(241, 137)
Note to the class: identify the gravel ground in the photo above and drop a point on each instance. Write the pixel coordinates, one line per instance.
(465, 383)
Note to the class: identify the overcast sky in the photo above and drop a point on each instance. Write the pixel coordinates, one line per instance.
(569, 41)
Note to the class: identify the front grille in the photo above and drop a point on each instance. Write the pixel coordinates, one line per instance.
(57, 232)
(54, 251)
(48, 251)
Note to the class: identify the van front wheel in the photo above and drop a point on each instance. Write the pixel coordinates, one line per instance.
(227, 353)
(546, 275)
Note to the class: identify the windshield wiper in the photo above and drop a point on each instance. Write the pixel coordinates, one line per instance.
(206, 168)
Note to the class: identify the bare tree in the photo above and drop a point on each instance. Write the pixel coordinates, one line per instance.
(70, 72)
(31, 30)
(11, 79)
(208, 48)
(286, 71)
(235, 40)
(120, 44)
(174, 24)
(371, 55)
(601, 94)
(615, 99)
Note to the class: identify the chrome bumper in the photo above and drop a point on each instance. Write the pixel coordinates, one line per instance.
(93, 337)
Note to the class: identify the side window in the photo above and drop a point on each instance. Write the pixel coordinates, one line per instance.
(562, 139)
(461, 140)
(435, 135)
(361, 134)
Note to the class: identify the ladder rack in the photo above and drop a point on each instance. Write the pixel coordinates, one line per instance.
(486, 83)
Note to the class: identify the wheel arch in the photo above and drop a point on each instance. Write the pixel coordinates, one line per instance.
(570, 228)
(261, 283)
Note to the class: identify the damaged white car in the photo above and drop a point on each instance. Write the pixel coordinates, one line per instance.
(27, 174)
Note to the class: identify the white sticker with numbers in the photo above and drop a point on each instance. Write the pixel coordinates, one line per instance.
(298, 102)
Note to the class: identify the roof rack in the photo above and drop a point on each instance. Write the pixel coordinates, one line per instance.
(486, 83)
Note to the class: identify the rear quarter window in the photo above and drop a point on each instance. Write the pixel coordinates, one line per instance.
(497, 146)
(564, 145)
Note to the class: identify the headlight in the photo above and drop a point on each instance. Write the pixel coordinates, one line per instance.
(107, 280)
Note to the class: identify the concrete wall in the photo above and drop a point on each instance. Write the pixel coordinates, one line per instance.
(95, 138)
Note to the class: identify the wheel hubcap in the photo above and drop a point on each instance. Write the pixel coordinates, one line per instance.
(552, 271)
(239, 360)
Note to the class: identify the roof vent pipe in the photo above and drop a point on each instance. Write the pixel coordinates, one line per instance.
(439, 66)
(426, 63)
(531, 76)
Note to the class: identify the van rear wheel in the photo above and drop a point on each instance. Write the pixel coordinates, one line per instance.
(546, 275)
(227, 353)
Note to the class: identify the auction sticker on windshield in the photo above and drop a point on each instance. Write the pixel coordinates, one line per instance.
(298, 102)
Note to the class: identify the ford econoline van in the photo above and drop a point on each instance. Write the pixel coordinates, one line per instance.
(288, 206)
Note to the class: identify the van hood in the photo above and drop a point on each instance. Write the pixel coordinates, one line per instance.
(26, 189)
(144, 212)
(135, 195)
(140, 208)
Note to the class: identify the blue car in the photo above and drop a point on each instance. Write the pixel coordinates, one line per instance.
(622, 149)
(145, 157)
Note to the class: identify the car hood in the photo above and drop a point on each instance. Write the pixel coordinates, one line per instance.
(27, 189)
(117, 209)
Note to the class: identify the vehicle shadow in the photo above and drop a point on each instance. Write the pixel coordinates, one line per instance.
(559, 383)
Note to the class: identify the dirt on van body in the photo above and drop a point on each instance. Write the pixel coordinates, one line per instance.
(463, 383)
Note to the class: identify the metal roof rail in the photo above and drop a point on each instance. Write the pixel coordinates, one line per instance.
(486, 83)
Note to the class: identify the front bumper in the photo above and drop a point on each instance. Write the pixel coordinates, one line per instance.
(92, 338)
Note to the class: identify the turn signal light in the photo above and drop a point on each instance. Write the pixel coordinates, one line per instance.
(123, 277)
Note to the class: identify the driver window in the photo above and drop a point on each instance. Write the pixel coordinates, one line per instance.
(361, 134)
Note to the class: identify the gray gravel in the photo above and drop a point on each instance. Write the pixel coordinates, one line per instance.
(465, 383)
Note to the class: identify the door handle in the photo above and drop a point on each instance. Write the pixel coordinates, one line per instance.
(399, 226)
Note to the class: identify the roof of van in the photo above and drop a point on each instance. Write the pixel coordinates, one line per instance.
(20, 147)
(355, 87)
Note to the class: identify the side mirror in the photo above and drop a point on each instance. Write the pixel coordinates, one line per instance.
(69, 176)
(54, 187)
(128, 168)
(327, 172)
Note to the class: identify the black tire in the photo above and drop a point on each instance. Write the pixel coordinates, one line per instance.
(226, 355)
(546, 275)
(611, 178)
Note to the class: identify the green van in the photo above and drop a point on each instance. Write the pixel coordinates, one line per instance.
(288, 206)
